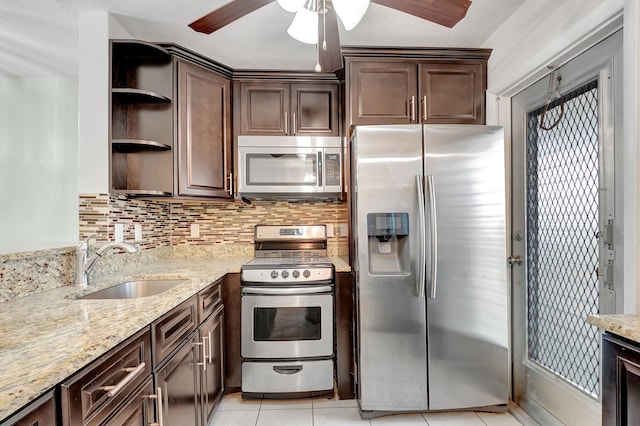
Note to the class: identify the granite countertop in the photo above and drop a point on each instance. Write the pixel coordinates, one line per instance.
(48, 336)
(625, 325)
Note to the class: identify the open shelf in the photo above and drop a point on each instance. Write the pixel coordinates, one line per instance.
(133, 145)
(139, 95)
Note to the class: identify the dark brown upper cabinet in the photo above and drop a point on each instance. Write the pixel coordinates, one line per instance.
(452, 92)
(289, 109)
(390, 89)
(382, 92)
(171, 126)
(204, 133)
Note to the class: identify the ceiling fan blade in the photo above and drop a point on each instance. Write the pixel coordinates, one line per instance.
(227, 14)
(443, 12)
(329, 52)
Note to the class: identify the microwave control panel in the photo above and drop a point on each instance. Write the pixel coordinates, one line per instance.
(332, 168)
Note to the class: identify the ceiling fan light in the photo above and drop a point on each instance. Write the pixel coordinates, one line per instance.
(291, 5)
(350, 12)
(304, 27)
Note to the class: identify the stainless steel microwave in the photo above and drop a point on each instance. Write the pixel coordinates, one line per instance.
(289, 167)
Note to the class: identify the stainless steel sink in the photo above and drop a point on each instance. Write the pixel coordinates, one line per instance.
(134, 289)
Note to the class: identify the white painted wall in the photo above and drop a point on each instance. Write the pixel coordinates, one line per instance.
(38, 171)
(96, 28)
(549, 32)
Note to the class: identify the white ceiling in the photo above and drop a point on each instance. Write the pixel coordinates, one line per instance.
(40, 37)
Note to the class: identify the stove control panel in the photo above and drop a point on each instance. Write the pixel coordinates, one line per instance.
(287, 275)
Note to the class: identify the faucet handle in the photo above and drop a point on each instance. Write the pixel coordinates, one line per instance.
(85, 243)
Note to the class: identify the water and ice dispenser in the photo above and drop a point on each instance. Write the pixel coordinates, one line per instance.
(388, 243)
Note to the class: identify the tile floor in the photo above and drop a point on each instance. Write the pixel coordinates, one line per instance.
(233, 411)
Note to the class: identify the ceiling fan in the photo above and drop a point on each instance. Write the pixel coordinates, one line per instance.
(443, 12)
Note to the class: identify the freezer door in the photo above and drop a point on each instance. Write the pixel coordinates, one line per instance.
(392, 357)
(467, 308)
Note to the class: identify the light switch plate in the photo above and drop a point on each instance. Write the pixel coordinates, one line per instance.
(138, 231)
(195, 230)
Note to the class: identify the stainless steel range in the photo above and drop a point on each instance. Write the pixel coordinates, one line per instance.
(287, 313)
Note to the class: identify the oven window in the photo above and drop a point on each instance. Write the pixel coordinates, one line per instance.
(286, 324)
(282, 169)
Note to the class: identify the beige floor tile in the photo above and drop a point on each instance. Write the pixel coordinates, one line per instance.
(498, 419)
(301, 417)
(333, 402)
(234, 418)
(347, 416)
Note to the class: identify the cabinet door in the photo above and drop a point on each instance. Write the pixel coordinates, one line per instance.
(42, 412)
(204, 132)
(382, 93)
(314, 109)
(211, 335)
(179, 380)
(620, 382)
(264, 109)
(452, 92)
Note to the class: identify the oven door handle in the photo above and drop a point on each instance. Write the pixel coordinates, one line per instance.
(287, 290)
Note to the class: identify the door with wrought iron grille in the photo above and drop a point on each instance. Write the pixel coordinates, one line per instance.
(564, 232)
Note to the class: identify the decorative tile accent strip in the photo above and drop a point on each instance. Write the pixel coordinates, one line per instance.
(25, 273)
(222, 224)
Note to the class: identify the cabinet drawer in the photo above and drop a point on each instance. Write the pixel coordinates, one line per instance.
(303, 376)
(93, 394)
(209, 299)
(172, 328)
(138, 409)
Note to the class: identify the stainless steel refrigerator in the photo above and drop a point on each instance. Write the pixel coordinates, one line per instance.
(429, 224)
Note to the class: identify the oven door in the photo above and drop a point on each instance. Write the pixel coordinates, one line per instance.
(282, 323)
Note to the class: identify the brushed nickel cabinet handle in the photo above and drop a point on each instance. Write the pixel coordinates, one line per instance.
(424, 107)
(286, 123)
(158, 398)
(413, 108)
(294, 126)
(204, 353)
(133, 373)
(229, 188)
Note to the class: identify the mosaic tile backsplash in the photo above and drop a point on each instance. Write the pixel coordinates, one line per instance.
(169, 229)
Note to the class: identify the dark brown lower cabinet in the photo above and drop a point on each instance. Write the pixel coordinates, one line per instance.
(211, 335)
(41, 412)
(620, 381)
(179, 381)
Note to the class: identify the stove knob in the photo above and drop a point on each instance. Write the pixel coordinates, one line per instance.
(296, 273)
(306, 273)
(274, 274)
(285, 273)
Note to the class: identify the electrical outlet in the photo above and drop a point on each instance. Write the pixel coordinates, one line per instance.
(138, 231)
(329, 229)
(343, 230)
(119, 232)
(195, 230)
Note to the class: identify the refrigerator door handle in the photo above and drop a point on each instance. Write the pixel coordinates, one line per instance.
(433, 267)
(422, 260)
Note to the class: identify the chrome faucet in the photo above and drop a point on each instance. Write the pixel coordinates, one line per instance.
(84, 264)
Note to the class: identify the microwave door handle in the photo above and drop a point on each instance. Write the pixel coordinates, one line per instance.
(320, 166)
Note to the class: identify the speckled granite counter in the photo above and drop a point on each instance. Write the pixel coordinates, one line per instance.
(48, 336)
(625, 325)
